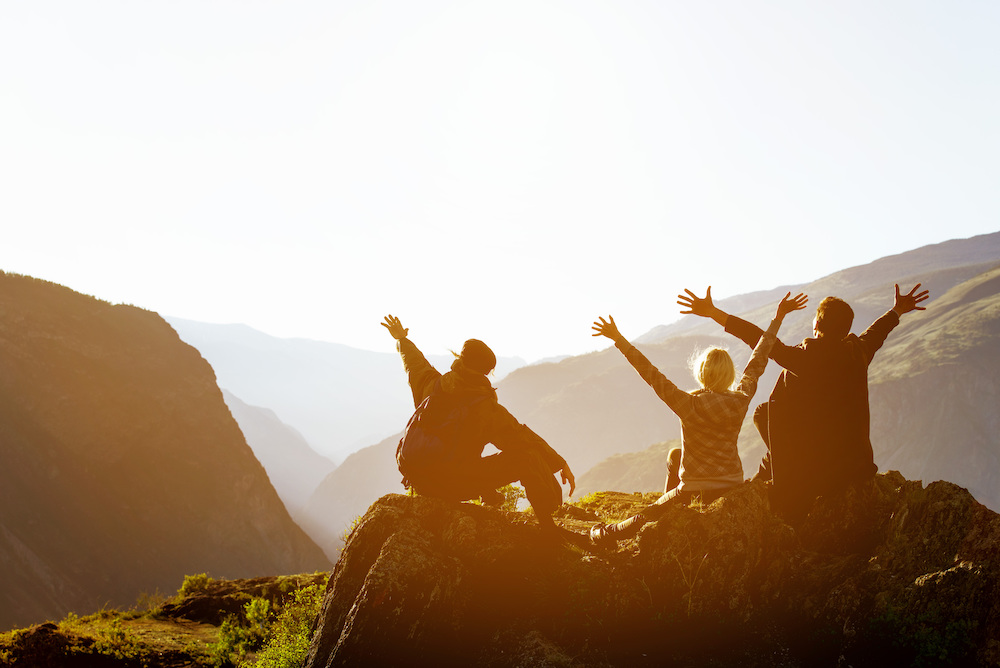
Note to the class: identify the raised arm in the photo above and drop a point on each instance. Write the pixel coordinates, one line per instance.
(419, 372)
(395, 327)
(758, 360)
(873, 337)
(702, 306)
(607, 328)
(679, 401)
(908, 302)
(787, 304)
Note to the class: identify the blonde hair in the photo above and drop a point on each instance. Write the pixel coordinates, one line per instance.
(713, 369)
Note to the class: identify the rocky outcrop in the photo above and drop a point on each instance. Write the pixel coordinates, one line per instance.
(898, 574)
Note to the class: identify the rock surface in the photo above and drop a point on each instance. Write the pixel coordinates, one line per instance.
(897, 574)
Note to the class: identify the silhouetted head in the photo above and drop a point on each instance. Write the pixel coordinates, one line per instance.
(477, 356)
(834, 318)
(713, 369)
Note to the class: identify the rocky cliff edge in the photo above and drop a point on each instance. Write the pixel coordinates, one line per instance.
(896, 575)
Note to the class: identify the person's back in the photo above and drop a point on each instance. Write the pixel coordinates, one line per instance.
(818, 418)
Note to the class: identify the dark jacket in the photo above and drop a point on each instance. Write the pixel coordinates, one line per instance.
(818, 415)
(487, 421)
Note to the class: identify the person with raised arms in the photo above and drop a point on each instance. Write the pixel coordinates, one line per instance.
(457, 414)
(708, 463)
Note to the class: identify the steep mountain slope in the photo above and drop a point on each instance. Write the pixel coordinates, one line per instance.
(339, 398)
(121, 470)
(935, 392)
(294, 468)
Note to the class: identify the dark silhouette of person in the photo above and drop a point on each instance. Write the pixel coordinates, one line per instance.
(708, 462)
(461, 472)
(816, 422)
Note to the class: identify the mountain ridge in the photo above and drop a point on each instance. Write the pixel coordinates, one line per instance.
(121, 469)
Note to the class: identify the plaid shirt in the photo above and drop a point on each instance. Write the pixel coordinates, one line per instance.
(710, 421)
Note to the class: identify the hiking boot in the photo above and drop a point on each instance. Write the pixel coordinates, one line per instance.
(599, 534)
(605, 534)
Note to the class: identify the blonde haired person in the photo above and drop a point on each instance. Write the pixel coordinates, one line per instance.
(708, 463)
(713, 369)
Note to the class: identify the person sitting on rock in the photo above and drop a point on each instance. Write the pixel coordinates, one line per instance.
(469, 416)
(816, 422)
(708, 462)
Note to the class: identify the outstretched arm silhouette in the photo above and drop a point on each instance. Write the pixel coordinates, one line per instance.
(789, 303)
(607, 328)
(395, 327)
(702, 306)
(908, 302)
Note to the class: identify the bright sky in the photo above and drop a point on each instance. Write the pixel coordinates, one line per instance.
(506, 170)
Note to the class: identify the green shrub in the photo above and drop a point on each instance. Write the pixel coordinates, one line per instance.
(238, 637)
(115, 641)
(349, 530)
(270, 636)
(288, 638)
(195, 584)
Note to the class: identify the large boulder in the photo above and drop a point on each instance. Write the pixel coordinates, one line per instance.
(895, 574)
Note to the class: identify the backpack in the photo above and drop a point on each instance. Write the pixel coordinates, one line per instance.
(432, 433)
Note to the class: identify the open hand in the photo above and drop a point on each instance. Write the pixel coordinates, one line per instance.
(568, 478)
(395, 327)
(696, 305)
(908, 302)
(607, 328)
(789, 304)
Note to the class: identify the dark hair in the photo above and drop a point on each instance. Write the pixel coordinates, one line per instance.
(834, 317)
(477, 356)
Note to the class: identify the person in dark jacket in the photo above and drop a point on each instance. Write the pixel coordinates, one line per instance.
(816, 422)
(464, 473)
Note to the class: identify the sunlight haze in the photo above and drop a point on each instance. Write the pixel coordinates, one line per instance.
(501, 170)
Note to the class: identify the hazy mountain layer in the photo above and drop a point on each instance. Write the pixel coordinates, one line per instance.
(121, 469)
(348, 491)
(294, 468)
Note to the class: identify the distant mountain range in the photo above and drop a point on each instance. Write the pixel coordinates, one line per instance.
(121, 469)
(934, 386)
